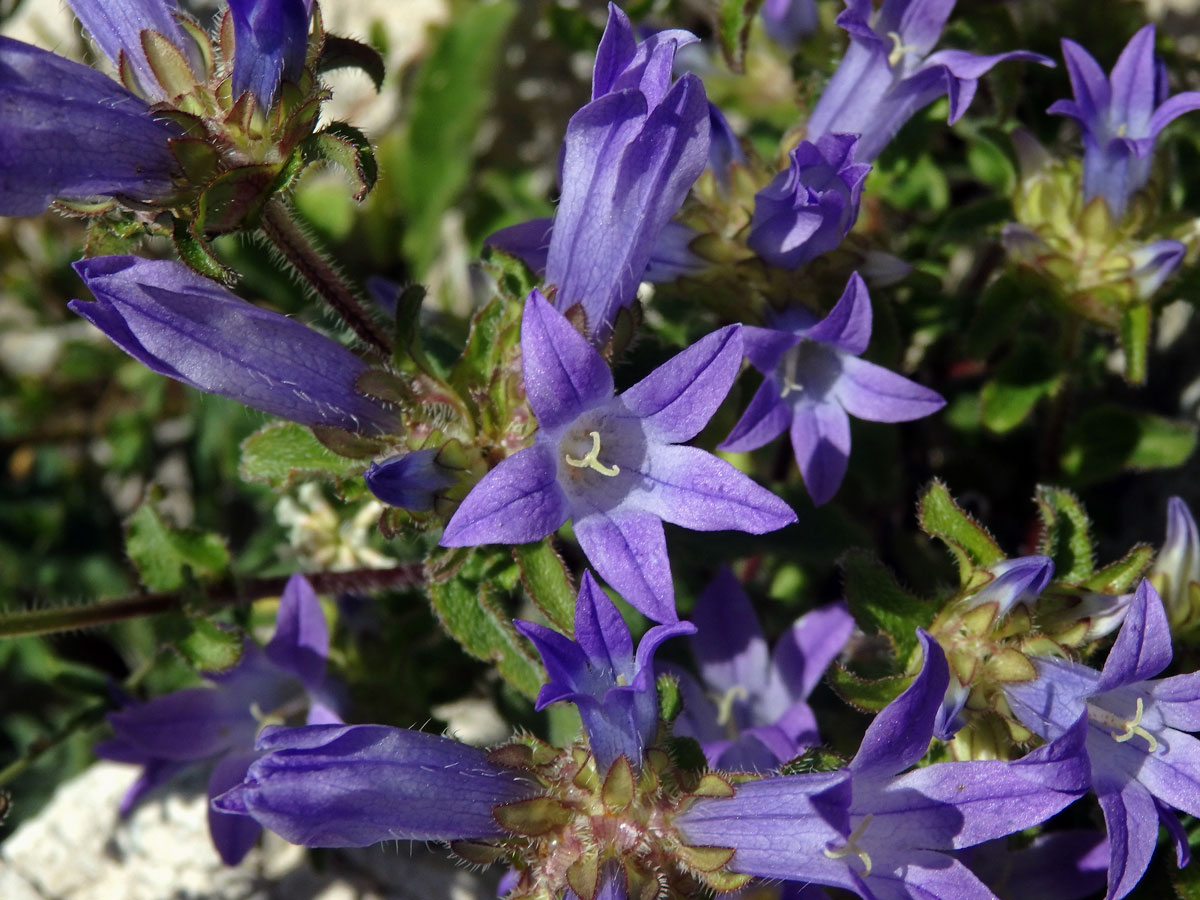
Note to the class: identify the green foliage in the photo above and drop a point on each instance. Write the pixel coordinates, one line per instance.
(941, 517)
(210, 648)
(1108, 439)
(1066, 534)
(283, 453)
(348, 148)
(734, 19)
(167, 557)
(1026, 375)
(880, 605)
(548, 583)
(866, 695)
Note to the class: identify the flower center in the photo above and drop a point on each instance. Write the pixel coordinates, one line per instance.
(851, 845)
(788, 376)
(725, 705)
(591, 459)
(899, 49)
(1128, 728)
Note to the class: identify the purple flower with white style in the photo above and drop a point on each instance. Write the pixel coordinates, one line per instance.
(749, 710)
(879, 831)
(613, 688)
(1176, 570)
(1143, 762)
(815, 382)
(189, 328)
(218, 725)
(613, 464)
(1120, 116)
(889, 73)
(629, 158)
(809, 207)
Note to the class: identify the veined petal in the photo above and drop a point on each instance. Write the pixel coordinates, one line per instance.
(1143, 646)
(232, 834)
(1131, 821)
(729, 647)
(806, 649)
(629, 550)
(517, 502)
(918, 23)
(270, 43)
(300, 644)
(871, 392)
(73, 133)
(765, 419)
(1133, 82)
(189, 328)
(692, 488)
(848, 325)
(187, 725)
(1172, 774)
(1177, 699)
(564, 375)
(1089, 84)
(1153, 264)
(356, 785)
(411, 481)
(117, 25)
(678, 398)
(1172, 109)
(765, 347)
(821, 441)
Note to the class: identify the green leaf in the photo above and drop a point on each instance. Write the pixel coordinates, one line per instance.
(347, 147)
(939, 516)
(866, 695)
(211, 649)
(998, 311)
(880, 605)
(547, 583)
(1027, 374)
(197, 255)
(451, 94)
(466, 604)
(733, 28)
(1066, 534)
(163, 554)
(283, 452)
(1107, 440)
(346, 53)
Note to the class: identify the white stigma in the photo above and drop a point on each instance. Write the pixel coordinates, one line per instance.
(592, 459)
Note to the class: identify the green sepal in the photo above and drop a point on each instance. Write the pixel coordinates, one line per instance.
(880, 605)
(514, 278)
(164, 556)
(462, 589)
(348, 148)
(866, 694)
(84, 208)
(941, 517)
(1120, 576)
(1065, 534)
(1026, 375)
(112, 237)
(209, 648)
(734, 18)
(346, 53)
(410, 355)
(169, 65)
(489, 368)
(282, 453)
(1135, 340)
(234, 198)
(813, 759)
(202, 42)
(547, 583)
(197, 158)
(670, 699)
(196, 253)
(346, 443)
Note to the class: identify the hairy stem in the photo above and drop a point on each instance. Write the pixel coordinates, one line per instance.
(283, 232)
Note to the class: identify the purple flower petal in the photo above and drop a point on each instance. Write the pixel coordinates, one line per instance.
(848, 325)
(187, 725)
(765, 419)
(528, 241)
(871, 392)
(356, 785)
(232, 834)
(564, 375)
(1143, 646)
(517, 502)
(411, 481)
(301, 641)
(821, 440)
(270, 44)
(629, 550)
(729, 647)
(806, 649)
(189, 328)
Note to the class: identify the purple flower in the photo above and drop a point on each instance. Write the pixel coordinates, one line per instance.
(1143, 764)
(613, 464)
(1061, 865)
(787, 21)
(628, 160)
(1176, 570)
(815, 382)
(1120, 116)
(117, 27)
(751, 713)
(810, 206)
(69, 132)
(193, 330)
(270, 45)
(888, 72)
(613, 688)
(218, 724)
(411, 481)
(877, 831)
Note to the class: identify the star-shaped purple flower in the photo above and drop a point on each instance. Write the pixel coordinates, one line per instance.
(1143, 762)
(613, 465)
(751, 711)
(881, 832)
(218, 725)
(815, 382)
(888, 72)
(613, 688)
(1121, 117)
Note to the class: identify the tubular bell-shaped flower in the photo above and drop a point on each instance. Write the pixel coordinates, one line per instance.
(888, 72)
(1143, 762)
(878, 831)
(68, 132)
(815, 382)
(613, 465)
(628, 160)
(1176, 570)
(218, 724)
(750, 711)
(810, 206)
(1120, 116)
(271, 40)
(598, 672)
(193, 330)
